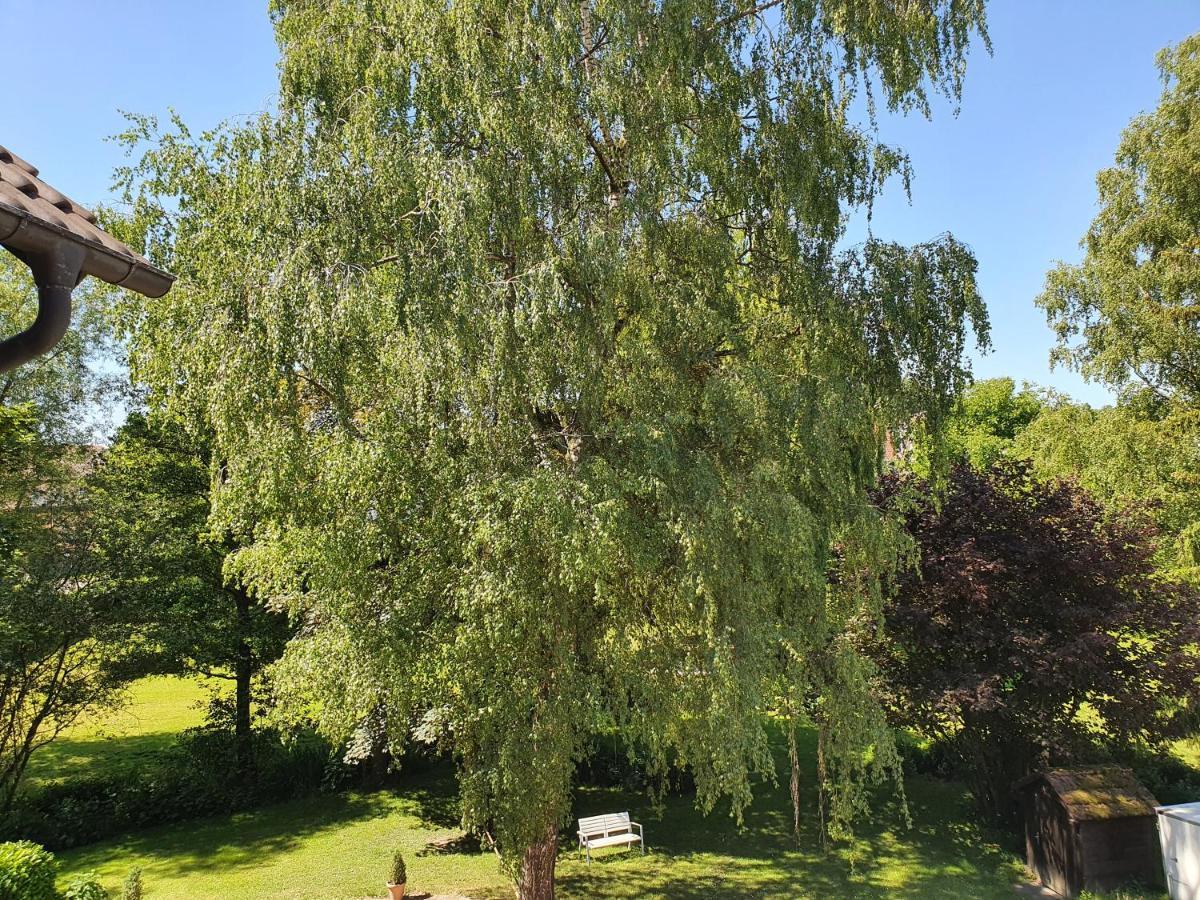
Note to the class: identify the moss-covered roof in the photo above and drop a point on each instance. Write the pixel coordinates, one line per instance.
(1098, 792)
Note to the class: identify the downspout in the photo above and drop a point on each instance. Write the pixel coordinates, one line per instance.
(56, 272)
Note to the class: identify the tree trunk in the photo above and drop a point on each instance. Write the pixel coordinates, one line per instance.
(794, 782)
(536, 879)
(243, 671)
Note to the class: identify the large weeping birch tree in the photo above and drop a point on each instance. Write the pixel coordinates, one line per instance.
(543, 389)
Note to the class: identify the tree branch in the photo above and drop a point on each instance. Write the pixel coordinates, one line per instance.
(614, 187)
(753, 11)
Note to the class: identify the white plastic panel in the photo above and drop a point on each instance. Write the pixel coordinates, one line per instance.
(1179, 835)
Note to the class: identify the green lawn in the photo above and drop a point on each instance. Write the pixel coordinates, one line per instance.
(339, 846)
(1189, 751)
(157, 709)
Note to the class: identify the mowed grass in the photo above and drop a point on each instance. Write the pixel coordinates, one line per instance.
(321, 846)
(1189, 751)
(155, 710)
(339, 846)
(335, 846)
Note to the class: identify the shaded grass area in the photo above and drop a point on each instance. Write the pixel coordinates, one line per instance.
(323, 846)
(156, 710)
(339, 847)
(944, 854)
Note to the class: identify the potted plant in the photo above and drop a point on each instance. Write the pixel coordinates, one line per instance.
(399, 877)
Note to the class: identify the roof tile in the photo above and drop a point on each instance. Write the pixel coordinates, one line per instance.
(24, 193)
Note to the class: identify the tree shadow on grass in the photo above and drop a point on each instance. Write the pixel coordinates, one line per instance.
(946, 854)
(92, 756)
(243, 839)
(434, 795)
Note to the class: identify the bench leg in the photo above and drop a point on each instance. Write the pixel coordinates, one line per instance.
(588, 849)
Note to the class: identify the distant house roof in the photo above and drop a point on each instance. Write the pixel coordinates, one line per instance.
(1099, 792)
(34, 215)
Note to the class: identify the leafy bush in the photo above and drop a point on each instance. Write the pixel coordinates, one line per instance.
(27, 872)
(1168, 778)
(612, 760)
(132, 890)
(85, 887)
(399, 870)
(193, 778)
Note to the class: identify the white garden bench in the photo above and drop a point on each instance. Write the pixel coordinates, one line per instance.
(608, 831)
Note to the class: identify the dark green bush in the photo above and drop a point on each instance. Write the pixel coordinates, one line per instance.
(399, 873)
(612, 760)
(196, 777)
(132, 890)
(27, 872)
(1167, 777)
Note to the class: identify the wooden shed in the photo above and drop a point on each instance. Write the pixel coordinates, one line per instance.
(1089, 829)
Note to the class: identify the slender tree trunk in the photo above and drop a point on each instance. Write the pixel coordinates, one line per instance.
(822, 785)
(536, 878)
(243, 671)
(794, 782)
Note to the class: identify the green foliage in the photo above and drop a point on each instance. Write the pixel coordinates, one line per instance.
(64, 643)
(64, 387)
(985, 426)
(27, 872)
(195, 777)
(1168, 777)
(132, 889)
(1142, 452)
(1127, 314)
(546, 430)
(149, 502)
(1036, 630)
(85, 887)
(399, 872)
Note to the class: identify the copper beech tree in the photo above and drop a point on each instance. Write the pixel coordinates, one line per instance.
(1035, 630)
(540, 380)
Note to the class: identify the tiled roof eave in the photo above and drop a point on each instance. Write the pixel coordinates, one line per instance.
(24, 231)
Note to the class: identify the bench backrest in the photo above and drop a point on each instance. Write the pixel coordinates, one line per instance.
(613, 823)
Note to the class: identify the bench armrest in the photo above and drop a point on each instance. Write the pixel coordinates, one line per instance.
(637, 825)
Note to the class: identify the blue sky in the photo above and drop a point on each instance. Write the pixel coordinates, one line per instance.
(1012, 175)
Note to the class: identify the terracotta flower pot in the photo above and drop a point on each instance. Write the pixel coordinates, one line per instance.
(396, 891)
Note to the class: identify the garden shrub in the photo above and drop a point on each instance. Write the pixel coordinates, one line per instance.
(132, 889)
(399, 871)
(1167, 777)
(27, 872)
(196, 777)
(611, 760)
(85, 887)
